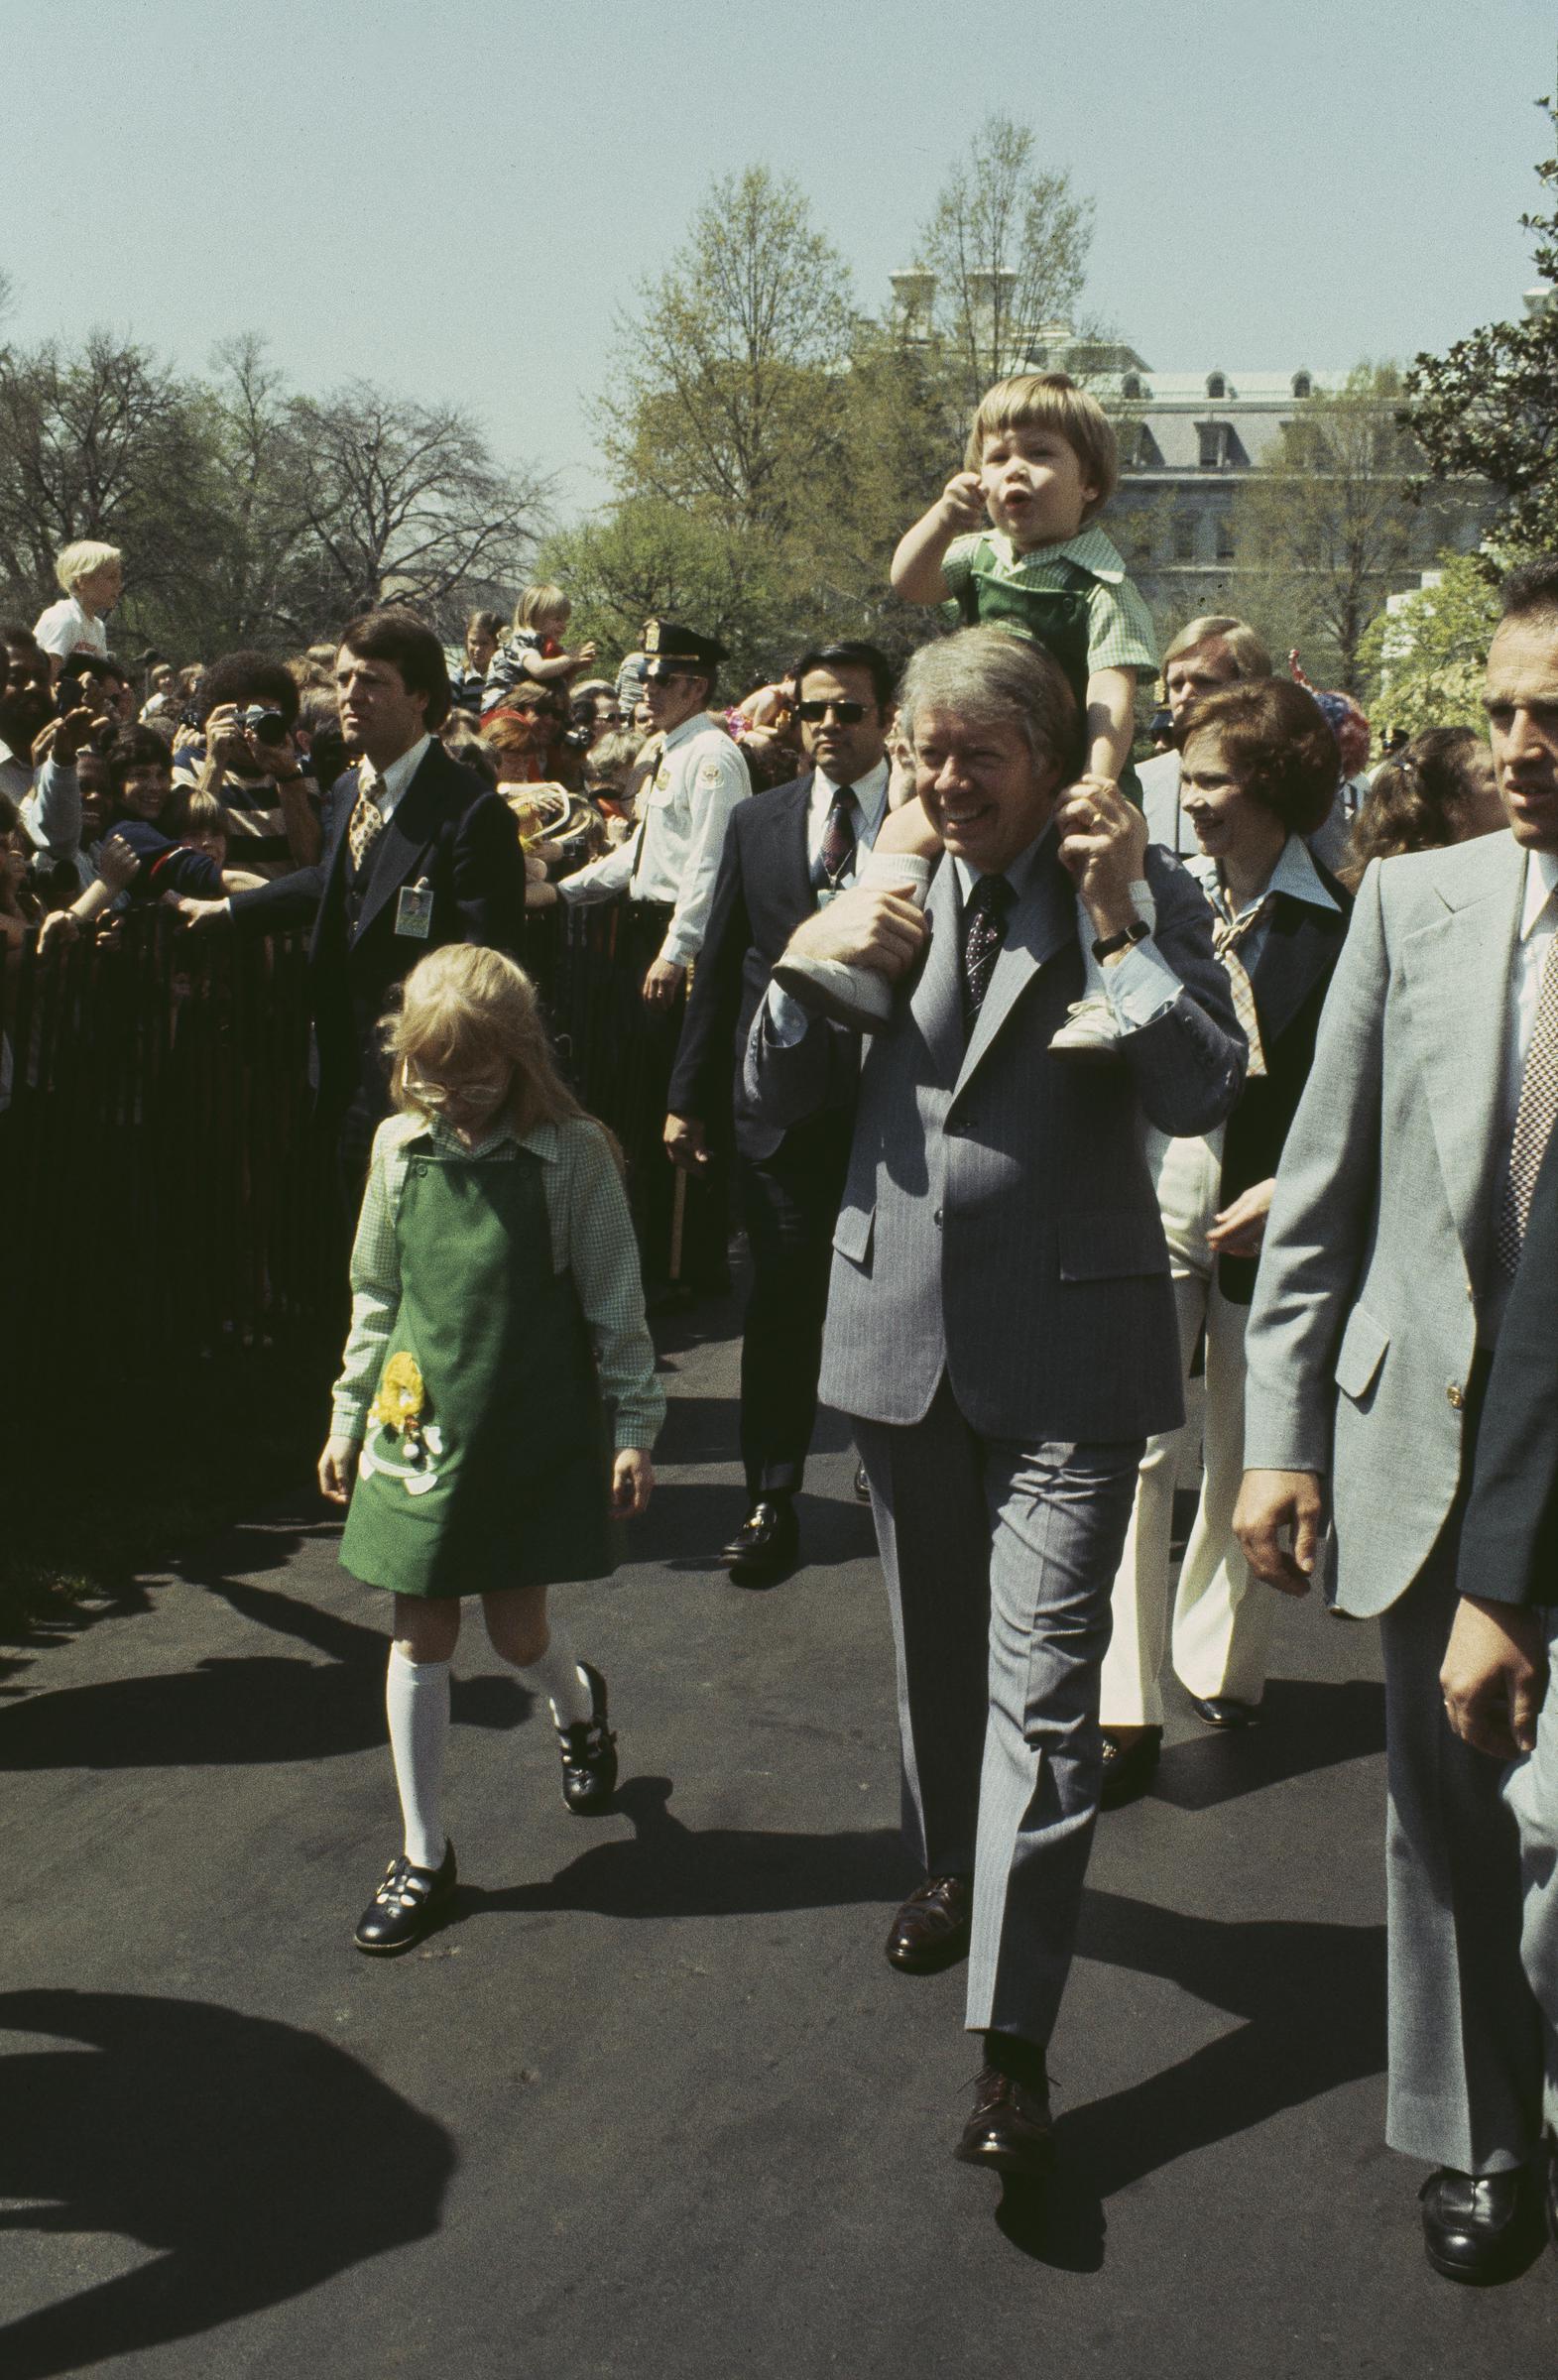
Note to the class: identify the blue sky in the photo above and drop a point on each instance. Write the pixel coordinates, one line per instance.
(456, 199)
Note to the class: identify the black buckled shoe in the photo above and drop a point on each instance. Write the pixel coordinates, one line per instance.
(766, 1545)
(1129, 1767)
(406, 1907)
(1225, 1711)
(1478, 2227)
(1010, 2130)
(589, 1753)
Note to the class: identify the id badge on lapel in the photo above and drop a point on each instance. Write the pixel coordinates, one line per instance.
(414, 911)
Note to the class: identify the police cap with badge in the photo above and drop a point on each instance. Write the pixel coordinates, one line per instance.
(671, 650)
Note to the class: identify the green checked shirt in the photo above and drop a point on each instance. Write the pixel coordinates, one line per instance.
(591, 1238)
(1119, 626)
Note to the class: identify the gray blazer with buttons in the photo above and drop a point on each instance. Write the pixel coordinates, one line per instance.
(999, 1223)
(1364, 1324)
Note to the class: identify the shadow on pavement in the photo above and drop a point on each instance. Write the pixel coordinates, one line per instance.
(252, 1708)
(670, 1870)
(1308, 1724)
(1313, 2000)
(255, 2159)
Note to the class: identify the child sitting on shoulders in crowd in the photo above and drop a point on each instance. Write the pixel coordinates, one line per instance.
(1042, 462)
(498, 1353)
(534, 649)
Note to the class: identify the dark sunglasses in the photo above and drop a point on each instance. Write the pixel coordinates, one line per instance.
(848, 714)
(666, 677)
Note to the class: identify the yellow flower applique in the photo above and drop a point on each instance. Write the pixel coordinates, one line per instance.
(402, 1399)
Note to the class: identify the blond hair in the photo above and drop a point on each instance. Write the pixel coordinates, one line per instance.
(1249, 655)
(465, 1007)
(78, 562)
(1050, 400)
(541, 603)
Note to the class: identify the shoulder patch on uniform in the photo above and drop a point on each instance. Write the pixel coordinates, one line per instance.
(709, 773)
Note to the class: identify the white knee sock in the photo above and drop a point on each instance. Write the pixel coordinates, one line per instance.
(556, 1675)
(417, 1698)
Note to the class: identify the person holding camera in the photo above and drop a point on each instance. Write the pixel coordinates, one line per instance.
(251, 762)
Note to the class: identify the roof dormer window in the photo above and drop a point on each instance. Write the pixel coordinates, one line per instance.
(1131, 387)
(1216, 384)
(1303, 384)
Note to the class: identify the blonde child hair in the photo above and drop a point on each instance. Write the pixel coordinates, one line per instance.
(463, 1008)
(1050, 400)
(80, 559)
(542, 603)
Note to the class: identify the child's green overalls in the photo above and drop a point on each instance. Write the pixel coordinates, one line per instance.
(1055, 617)
(501, 1479)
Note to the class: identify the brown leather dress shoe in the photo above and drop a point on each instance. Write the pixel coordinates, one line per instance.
(931, 1929)
(1010, 2129)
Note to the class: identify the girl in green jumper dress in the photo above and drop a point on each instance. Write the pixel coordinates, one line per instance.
(497, 1402)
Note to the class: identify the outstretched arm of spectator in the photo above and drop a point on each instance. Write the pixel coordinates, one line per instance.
(289, 900)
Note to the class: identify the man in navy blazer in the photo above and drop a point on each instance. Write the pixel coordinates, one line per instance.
(786, 852)
(1001, 1322)
(421, 852)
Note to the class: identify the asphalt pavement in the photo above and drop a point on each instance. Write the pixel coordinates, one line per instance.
(654, 2103)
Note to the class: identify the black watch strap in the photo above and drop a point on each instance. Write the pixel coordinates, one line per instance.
(1136, 931)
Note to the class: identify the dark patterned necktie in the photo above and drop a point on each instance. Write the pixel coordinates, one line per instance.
(984, 931)
(838, 836)
(1533, 1122)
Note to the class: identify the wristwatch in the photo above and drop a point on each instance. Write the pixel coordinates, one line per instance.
(1136, 931)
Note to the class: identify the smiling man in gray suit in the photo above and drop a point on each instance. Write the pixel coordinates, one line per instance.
(1001, 1324)
(1393, 1239)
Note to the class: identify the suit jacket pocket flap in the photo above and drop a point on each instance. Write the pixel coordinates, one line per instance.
(852, 1232)
(1103, 1248)
(1364, 1343)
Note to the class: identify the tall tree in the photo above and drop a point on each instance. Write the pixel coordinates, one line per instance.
(1330, 529)
(402, 501)
(1490, 404)
(727, 374)
(1008, 242)
(1426, 655)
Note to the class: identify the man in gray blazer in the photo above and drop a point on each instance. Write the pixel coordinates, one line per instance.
(1393, 1241)
(1001, 1324)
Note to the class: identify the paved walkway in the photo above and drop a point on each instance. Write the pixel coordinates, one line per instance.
(654, 2104)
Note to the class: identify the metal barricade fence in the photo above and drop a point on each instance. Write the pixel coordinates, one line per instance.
(163, 1187)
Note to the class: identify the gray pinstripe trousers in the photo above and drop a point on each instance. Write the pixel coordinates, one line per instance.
(999, 1560)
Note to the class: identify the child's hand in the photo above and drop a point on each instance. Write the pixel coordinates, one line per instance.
(118, 864)
(631, 1481)
(339, 1469)
(963, 502)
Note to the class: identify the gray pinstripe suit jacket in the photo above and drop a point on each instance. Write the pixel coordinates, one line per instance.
(999, 1223)
(1364, 1324)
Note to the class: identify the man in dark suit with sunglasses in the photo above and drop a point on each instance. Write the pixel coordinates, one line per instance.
(786, 853)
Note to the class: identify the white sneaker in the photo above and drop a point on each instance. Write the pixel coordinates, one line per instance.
(1089, 1031)
(852, 996)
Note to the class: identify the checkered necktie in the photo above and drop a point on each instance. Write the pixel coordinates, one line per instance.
(984, 931)
(363, 827)
(1228, 931)
(1533, 1119)
(838, 836)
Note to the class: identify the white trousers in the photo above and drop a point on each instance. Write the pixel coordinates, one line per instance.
(1222, 1615)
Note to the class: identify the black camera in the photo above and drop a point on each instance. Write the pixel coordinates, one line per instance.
(265, 726)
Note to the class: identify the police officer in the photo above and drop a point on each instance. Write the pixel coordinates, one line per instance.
(666, 869)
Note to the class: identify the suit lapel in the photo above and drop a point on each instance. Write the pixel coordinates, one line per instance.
(1042, 922)
(1300, 946)
(1455, 974)
(792, 878)
(403, 842)
(937, 1002)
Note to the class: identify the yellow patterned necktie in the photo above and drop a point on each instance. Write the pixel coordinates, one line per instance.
(364, 827)
(1227, 932)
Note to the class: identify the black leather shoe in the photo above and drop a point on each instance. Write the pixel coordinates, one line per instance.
(406, 1907)
(1010, 2129)
(1129, 1768)
(1478, 2227)
(931, 1929)
(1222, 1710)
(766, 1546)
(862, 1484)
(589, 1752)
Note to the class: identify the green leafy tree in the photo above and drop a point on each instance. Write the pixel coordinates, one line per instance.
(1425, 657)
(1008, 242)
(1490, 404)
(728, 377)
